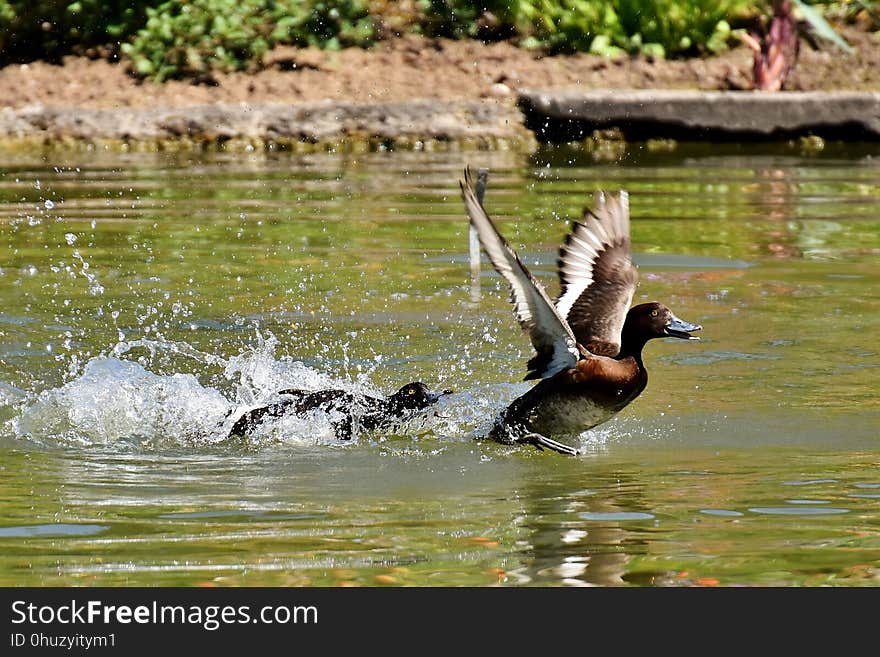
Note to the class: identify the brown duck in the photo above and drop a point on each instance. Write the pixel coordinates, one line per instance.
(589, 341)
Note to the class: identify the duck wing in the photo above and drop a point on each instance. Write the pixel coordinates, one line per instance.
(550, 334)
(597, 275)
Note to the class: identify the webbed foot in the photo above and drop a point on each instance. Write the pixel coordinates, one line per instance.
(543, 442)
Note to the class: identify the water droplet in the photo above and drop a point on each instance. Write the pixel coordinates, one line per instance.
(48, 204)
(70, 238)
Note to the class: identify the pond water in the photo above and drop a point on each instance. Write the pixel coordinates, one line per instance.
(149, 298)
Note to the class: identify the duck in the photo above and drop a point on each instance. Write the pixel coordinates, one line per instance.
(344, 408)
(588, 341)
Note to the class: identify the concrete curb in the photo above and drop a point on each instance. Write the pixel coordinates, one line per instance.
(702, 115)
(478, 122)
(553, 116)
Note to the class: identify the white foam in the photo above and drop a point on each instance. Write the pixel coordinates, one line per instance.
(119, 399)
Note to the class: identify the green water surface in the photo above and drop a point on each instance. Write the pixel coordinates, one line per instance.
(144, 297)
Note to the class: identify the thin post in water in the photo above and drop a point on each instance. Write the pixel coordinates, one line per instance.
(474, 241)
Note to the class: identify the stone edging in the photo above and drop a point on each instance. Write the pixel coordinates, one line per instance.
(545, 115)
(702, 115)
(410, 124)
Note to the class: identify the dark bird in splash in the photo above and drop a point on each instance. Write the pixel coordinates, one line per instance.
(588, 342)
(345, 409)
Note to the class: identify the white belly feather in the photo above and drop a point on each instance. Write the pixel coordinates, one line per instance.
(568, 414)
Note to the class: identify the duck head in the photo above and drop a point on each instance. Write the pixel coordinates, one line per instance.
(414, 396)
(654, 320)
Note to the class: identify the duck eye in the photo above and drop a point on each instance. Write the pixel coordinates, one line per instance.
(653, 313)
(411, 391)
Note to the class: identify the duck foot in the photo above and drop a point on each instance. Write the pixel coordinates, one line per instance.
(543, 442)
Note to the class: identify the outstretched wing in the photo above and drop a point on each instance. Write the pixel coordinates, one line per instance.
(597, 275)
(550, 335)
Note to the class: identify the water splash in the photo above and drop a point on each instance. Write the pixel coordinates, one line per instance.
(153, 393)
(117, 399)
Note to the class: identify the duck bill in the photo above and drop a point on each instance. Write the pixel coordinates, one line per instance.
(434, 397)
(678, 328)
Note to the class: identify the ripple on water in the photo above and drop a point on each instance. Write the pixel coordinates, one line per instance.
(616, 515)
(17, 320)
(797, 510)
(711, 357)
(50, 530)
(722, 512)
(233, 514)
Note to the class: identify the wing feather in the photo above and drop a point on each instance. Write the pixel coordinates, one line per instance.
(551, 336)
(597, 275)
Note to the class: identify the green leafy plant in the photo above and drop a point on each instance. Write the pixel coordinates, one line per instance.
(608, 27)
(449, 18)
(821, 27)
(611, 27)
(677, 26)
(193, 37)
(869, 9)
(330, 24)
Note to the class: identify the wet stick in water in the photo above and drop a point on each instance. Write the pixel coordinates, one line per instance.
(474, 240)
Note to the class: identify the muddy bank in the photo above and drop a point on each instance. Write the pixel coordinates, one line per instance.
(421, 93)
(413, 67)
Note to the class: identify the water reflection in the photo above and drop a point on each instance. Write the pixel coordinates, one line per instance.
(585, 536)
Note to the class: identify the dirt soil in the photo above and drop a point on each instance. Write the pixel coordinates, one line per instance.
(419, 68)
